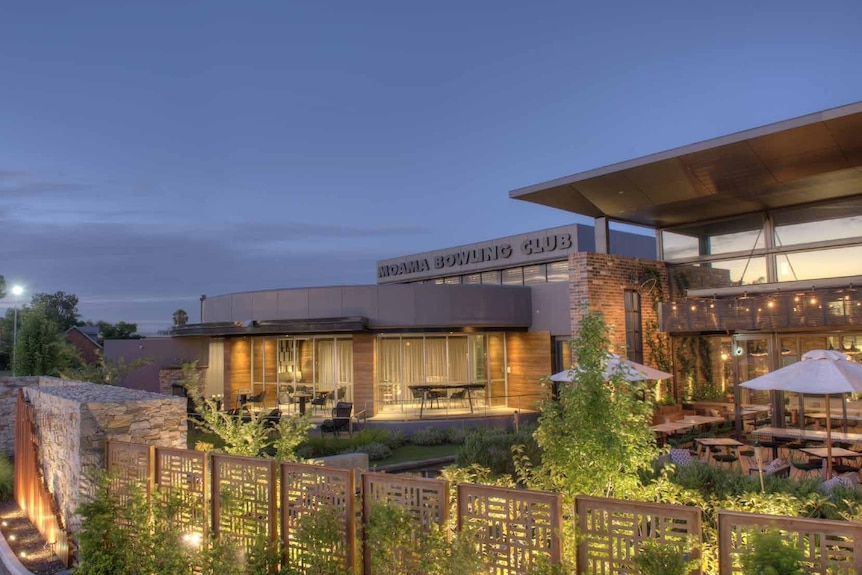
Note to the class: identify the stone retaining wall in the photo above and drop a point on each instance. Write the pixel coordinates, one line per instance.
(74, 419)
(9, 387)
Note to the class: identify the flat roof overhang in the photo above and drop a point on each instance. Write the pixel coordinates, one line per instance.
(273, 327)
(805, 160)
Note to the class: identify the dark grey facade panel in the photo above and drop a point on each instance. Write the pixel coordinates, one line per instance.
(550, 308)
(292, 303)
(405, 306)
(633, 245)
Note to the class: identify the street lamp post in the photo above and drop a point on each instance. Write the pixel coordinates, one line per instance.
(16, 291)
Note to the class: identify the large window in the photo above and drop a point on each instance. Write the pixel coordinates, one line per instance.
(811, 242)
(404, 361)
(316, 364)
(634, 337)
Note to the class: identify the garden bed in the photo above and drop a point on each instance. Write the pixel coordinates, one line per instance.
(26, 542)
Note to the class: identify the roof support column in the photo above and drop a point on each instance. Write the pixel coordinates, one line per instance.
(603, 235)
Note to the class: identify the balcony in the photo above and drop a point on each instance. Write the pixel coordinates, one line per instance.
(815, 308)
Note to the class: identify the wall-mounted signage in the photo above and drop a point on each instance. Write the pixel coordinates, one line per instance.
(516, 250)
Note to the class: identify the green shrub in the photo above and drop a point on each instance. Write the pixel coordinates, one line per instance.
(492, 449)
(319, 534)
(457, 435)
(7, 478)
(399, 545)
(428, 436)
(319, 446)
(770, 554)
(375, 451)
(660, 558)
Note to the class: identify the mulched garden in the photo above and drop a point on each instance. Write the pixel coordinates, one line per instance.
(29, 546)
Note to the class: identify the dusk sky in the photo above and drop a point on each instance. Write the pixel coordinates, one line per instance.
(152, 152)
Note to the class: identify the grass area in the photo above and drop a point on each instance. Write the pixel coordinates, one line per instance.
(195, 435)
(407, 452)
(418, 452)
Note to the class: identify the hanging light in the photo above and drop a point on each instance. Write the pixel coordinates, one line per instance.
(759, 352)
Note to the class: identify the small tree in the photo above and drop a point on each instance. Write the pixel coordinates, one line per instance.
(37, 351)
(244, 433)
(119, 330)
(181, 317)
(596, 439)
(103, 370)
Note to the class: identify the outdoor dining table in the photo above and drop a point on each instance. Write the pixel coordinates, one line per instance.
(726, 442)
(823, 453)
(811, 434)
(426, 389)
(701, 419)
(665, 429)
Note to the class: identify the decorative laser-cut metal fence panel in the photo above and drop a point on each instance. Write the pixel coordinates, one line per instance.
(307, 491)
(426, 500)
(129, 465)
(181, 475)
(244, 498)
(514, 527)
(611, 531)
(833, 547)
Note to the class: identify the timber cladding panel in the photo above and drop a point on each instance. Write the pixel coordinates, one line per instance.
(364, 377)
(598, 282)
(238, 369)
(529, 359)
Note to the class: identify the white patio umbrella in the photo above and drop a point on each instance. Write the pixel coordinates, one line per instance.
(630, 370)
(821, 371)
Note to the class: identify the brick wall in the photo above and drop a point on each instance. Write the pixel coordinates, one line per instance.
(597, 282)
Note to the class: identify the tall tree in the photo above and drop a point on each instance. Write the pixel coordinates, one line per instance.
(120, 330)
(61, 308)
(181, 317)
(596, 439)
(2, 286)
(38, 350)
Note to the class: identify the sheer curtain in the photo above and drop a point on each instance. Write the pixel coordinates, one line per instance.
(325, 375)
(459, 371)
(435, 360)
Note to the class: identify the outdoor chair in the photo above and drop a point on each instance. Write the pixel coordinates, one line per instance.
(341, 420)
(319, 399)
(776, 468)
(272, 418)
(258, 399)
(804, 466)
(460, 395)
(286, 401)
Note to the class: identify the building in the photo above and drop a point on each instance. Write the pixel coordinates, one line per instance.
(491, 316)
(751, 255)
(86, 340)
(760, 237)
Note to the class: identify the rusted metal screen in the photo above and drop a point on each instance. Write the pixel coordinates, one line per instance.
(182, 475)
(610, 531)
(833, 547)
(31, 493)
(426, 500)
(305, 491)
(515, 527)
(129, 463)
(244, 497)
